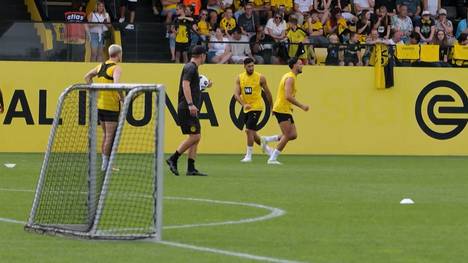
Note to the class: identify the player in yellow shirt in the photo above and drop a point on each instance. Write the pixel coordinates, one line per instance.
(248, 92)
(108, 102)
(282, 109)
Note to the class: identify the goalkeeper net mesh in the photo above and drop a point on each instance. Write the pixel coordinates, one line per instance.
(74, 195)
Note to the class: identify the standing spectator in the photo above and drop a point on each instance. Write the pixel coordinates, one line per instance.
(361, 5)
(203, 27)
(462, 26)
(219, 50)
(315, 29)
(334, 54)
(383, 24)
(228, 22)
(413, 7)
(169, 10)
(276, 28)
(432, 6)
(131, 6)
(99, 24)
(425, 27)
(442, 40)
(74, 34)
(402, 22)
(248, 21)
(388, 4)
(196, 4)
(182, 28)
(240, 47)
(442, 23)
(260, 45)
(297, 35)
(352, 53)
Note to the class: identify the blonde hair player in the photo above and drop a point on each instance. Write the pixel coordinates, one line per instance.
(248, 92)
(285, 99)
(109, 101)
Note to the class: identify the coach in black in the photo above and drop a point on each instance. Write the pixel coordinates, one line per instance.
(188, 108)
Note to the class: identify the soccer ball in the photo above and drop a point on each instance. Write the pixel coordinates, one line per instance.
(204, 82)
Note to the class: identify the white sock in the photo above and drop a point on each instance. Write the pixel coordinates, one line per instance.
(269, 150)
(105, 162)
(274, 155)
(273, 138)
(249, 151)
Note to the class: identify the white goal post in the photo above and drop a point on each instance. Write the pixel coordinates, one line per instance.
(73, 196)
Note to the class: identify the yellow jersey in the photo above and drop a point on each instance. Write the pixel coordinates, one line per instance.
(204, 28)
(107, 99)
(297, 36)
(288, 4)
(251, 90)
(227, 24)
(282, 105)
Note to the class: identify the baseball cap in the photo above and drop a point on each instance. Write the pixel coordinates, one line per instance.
(426, 13)
(442, 12)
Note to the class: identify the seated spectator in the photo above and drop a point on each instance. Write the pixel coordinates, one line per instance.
(334, 53)
(182, 28)
(260, 45)
(295, 36)
(361, 5)
(203, 27)
(336, 24)
(390, 6)
(395, 38)
(215, 5)
(442, 23)
(282, 6)
(364, 25)
(315, 29)
(304, 6)
(240, 46)
(228, 22)
(402, 22)
(322, 6)
(276, 28)
(413, 7)
(131, 6)
(383, 23)
(100, 23)
(442, 40)
(219, 51)
(425, 27)
(462, 26)
(248, 21)
(352, 53)
(414, 38)
(371, 40)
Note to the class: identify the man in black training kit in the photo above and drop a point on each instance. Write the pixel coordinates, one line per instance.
(189, 105)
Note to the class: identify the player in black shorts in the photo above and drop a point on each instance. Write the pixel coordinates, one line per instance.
(188, 107)
(248, 92)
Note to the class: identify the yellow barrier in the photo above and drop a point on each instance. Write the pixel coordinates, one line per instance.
(348, 115)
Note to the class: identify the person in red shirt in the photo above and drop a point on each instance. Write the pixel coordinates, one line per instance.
(75, 32)
(195, 3)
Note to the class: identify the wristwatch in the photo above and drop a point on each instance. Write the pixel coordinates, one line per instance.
(190, 104)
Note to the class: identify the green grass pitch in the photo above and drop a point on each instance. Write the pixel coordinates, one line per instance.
(338, 209)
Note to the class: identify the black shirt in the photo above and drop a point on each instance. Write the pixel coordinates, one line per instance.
(425, 26)
(390, 4)
(190, 73)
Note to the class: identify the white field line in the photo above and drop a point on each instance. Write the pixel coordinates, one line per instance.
(274, 212)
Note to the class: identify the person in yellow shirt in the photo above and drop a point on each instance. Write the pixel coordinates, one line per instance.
(248, 92)
(282, 6)
(295, 36)
(282, 109)
(108, 102)
(203, 27)
(228, 22)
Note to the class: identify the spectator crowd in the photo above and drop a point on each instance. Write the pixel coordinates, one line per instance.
(270, 31)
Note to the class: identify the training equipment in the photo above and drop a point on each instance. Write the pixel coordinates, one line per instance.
(204, 82)
(10, 165)
(406, 201)
(74, 197)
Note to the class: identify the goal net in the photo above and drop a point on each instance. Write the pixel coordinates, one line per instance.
(74, 196)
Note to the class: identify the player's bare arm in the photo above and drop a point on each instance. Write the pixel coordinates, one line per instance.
(188, 97)
(90, 75)
(116, 76)
(263, 83)
(289, 84)
(237, 95)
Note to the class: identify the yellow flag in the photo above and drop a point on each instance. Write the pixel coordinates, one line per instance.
(378, 68)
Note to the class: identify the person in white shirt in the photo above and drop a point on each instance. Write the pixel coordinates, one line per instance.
(241, 50)
(99, 21)
(432, 6)
(360, 5)
(276, 28)
(219, 50)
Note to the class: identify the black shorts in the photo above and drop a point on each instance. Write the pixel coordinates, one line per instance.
(251, 119)
(108, 116)
(182, 47)
(284, 117)
(188, 123)
(130, 5)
